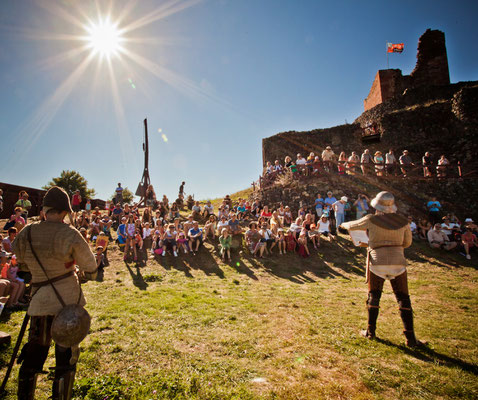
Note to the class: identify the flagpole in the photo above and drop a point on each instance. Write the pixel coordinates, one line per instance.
(386, 49)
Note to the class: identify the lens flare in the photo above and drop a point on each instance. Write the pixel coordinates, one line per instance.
(165, 138)
(104, 38)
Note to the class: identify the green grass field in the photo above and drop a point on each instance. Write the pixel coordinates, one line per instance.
(283, 327)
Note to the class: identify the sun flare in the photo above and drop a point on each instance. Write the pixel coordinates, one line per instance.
(104, 38)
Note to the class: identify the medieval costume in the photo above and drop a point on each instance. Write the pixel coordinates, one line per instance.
(58, 247)
(389, 234)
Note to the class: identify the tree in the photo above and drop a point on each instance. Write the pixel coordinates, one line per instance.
(72, 181)
(127, 196)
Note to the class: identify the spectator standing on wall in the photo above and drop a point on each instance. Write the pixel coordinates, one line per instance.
(442, 166)
(427, 165)
(353, 161)
(119, 194)
(328, 157)
(390, 162)
(379, 161)
(366, 160)
(405, 163)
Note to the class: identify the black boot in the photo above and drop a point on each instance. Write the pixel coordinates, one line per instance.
(373, 303)
(406, 313)
(27, 383)
(63, 384)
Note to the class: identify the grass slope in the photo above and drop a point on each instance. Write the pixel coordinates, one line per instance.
(278, 328)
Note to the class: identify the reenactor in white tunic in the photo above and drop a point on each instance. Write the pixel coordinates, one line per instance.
(389, 233)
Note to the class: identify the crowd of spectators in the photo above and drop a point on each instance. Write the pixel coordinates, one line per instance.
(161, 228)
(367, 164)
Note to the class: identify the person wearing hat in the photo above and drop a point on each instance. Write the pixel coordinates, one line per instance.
(59, 247)
(389, 233)
(339, 210)
(328, 157)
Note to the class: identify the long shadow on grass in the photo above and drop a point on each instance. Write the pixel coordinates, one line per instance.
(203, 260)
(429, 355)
(138, 280)
(420, 252)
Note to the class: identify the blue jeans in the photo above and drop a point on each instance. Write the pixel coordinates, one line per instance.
(339, 219)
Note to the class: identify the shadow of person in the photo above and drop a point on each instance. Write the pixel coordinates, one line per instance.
(427, 354)
(137, 278)
(204, 261)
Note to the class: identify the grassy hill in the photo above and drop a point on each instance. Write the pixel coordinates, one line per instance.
(283, 327)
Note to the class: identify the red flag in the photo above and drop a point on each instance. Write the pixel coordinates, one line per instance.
(394, 48)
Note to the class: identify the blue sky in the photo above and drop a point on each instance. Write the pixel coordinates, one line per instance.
(217, 77)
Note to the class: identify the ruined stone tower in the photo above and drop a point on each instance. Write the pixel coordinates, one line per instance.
(431, 70)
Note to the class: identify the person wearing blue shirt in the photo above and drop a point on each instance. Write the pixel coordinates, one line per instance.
(195, 235)
(328, 202)
(319, 205)
(122, 232)
(434, 210)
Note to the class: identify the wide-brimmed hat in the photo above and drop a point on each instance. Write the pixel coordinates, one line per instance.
(384, 202)
(469, 220)
(252, 223)
(344, 198)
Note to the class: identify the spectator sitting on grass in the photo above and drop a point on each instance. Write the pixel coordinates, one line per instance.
(223, 223)
(169, 240)
(252, 237)
(447, 227)
(188, 224)
(469, 223)
(413, 227)
(196, 210)
(439, 240)
(469, 243)
(233, 225)
(276, 222)
(195, 237)
(100, 258)
(102, 241)
(225, 241)
(121, 232)
(241, 210)
(423, 227)
(9, 272)
(8, 241)
(182, 242)
(324, 226)
(210, 227)
(208, 209)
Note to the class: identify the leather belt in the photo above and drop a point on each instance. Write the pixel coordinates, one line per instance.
(53, 280)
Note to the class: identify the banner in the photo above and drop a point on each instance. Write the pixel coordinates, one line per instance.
(394, 48)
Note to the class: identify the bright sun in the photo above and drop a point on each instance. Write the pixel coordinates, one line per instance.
(104, 38)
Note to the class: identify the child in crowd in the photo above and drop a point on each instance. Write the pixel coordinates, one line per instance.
(281, 241)
(100, 258)
(183, 242)
(9, 272)
(169, 240)
(225, 241)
